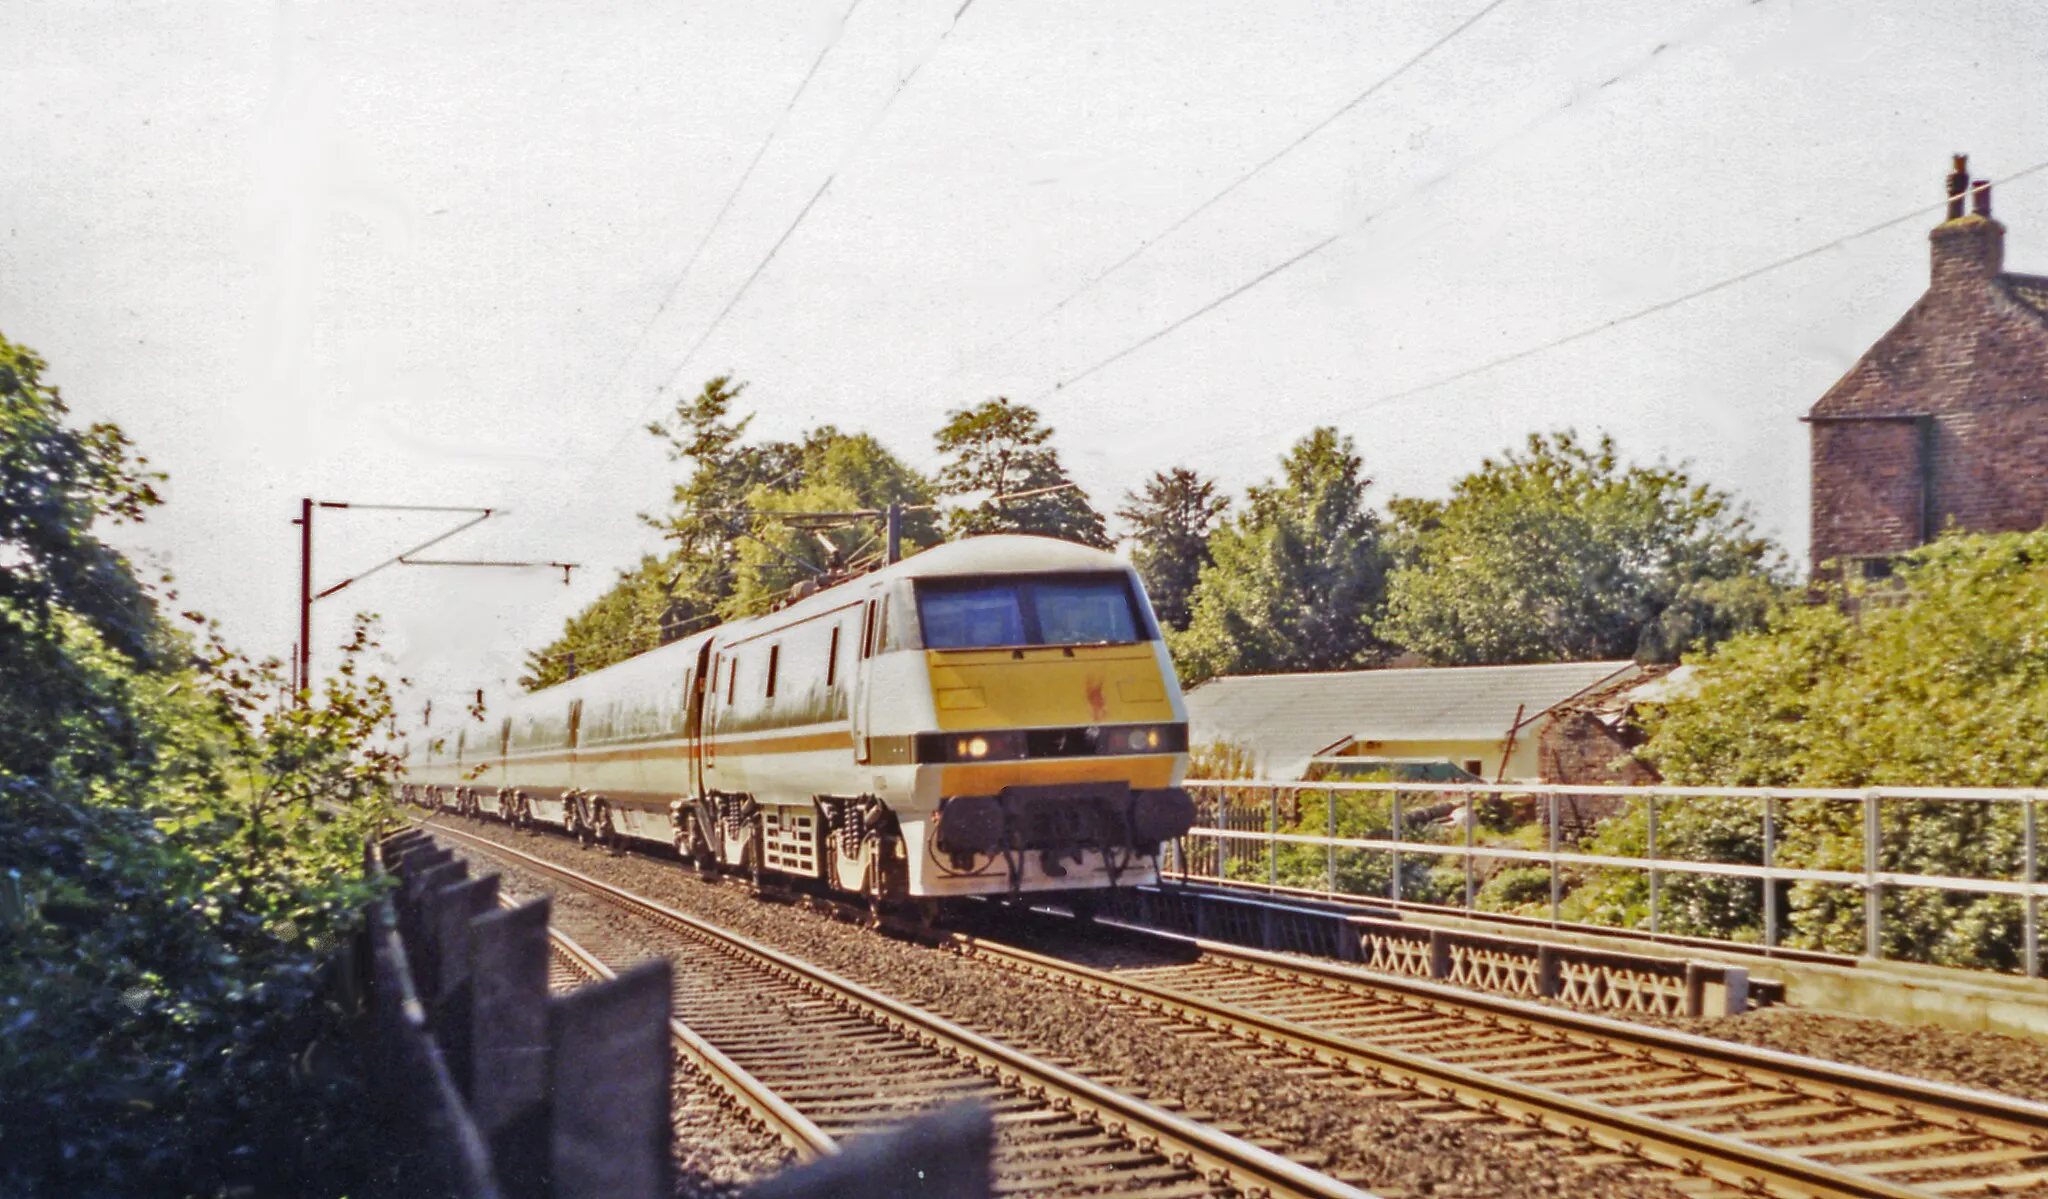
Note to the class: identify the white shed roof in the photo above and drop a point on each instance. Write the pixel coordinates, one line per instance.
(1286, 719)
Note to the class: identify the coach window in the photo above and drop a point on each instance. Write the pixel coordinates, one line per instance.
(774, 665)
(732, 679)
(832, 659)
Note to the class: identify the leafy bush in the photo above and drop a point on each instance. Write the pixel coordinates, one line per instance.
(171, 900)
(1938, 678)
(1515, 889)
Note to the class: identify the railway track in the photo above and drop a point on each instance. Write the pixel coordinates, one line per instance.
(819, 1058)
(570, 965)
(1722, 1115)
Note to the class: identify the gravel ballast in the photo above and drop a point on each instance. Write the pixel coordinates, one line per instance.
(1271, 1099)
(1982, 1061)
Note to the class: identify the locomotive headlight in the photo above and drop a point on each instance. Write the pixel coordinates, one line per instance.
(1143, 739)
(997, 746)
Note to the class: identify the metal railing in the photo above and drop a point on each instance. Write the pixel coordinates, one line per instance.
(1243, 827)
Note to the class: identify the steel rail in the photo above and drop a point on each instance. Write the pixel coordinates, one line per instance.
(1222, 1158)
(1984, 1113)
(1966, 1112)
(805, 1139)
(1687, 1150)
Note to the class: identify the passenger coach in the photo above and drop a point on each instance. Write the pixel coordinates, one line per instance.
(994, 715)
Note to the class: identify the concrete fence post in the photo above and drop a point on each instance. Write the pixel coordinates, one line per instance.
(423, 935)
(509, 1043)
(608, 1065)
(448, 1006)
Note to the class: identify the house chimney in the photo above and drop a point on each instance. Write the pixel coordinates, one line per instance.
(1967, 248)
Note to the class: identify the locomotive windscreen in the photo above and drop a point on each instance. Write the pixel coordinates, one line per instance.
(989, 613)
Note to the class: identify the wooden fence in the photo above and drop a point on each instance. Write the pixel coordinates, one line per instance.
(490, 1087)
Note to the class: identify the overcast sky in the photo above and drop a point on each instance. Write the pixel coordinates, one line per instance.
(391, 252)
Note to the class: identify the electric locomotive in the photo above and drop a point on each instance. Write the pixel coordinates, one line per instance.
(993, 716)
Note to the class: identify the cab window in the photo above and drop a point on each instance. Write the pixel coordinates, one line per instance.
(998, 612)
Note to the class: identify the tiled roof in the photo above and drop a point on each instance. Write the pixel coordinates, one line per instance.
(2030, 290)
(1285, 719)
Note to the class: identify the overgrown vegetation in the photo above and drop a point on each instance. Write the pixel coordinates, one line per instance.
(170, 895)
(1938, 677)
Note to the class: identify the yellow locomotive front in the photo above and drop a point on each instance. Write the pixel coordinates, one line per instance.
(1054, 739)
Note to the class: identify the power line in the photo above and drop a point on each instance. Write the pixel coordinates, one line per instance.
(676, 288)
(1675, 301)
(1514, 138)
(759, 268)
(1652, 309)
(1268, 161)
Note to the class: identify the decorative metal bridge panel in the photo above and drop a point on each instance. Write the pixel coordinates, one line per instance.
(1600, 980)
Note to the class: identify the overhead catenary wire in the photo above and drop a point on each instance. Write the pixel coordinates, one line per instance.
(1513, 138)
(1647, 310)
(802, 213)
(1258, 168)
(1675, 301)
(675, 289)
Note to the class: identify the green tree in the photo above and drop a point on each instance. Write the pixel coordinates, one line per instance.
(705, 508)
(1562, 553)
(1004, 448)
(1936, 678)
(840, 473)
(1170, 523)
(1298, 576)
(730, 556)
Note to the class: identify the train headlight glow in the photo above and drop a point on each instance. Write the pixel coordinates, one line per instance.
(977, 748)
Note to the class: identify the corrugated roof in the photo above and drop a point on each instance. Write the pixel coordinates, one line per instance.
(1286, 719)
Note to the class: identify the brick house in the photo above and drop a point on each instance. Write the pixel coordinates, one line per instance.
(1945, 420)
